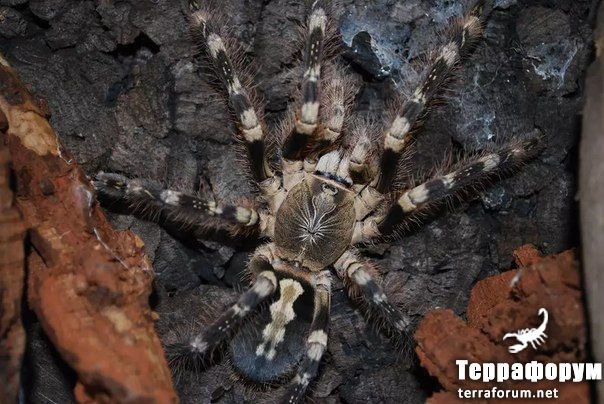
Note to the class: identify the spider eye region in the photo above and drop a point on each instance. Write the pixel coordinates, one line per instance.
(329, 189)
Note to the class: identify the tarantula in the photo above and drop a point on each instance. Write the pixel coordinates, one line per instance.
(325, 190)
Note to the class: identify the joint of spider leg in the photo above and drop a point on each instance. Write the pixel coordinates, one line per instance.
(450, 54)
(198, 18)
(265, 290)
(317, 342)
(215, 45)
(401, 324)
(365, 230)
(490, 162)
(246, 216)
(240, 310)
(214, 209)
(198, 345)
(379, 297)
(170, 197)
(308, 118)
(317, 19)
(303, 380)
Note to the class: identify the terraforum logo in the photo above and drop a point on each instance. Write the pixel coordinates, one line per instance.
(532, 371)
(533, 336)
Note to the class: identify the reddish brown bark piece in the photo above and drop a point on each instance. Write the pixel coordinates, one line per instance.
(88, 284)
(506, 303)
(526, 255)
(12, 336)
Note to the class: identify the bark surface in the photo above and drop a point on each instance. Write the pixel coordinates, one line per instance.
(129, 94)
(88, 284)
(507, 303)
(12, 270)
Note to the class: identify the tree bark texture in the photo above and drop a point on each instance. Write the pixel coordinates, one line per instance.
(506, 303)
(88, 284)
(12, 233)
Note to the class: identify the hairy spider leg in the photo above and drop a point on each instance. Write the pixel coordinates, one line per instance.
(198, 348)
(336, 104)
(149, 201)
(252, 132)
(307, 117)
(461, 37)
(472, 172)
(316, 342)
(299, 141)
(359, 276)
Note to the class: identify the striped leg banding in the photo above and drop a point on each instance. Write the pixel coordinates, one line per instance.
(148, 200)
(297, 142)
(336, 103)
(316, 342)
(198, 349)
(251, 127)
(461, 37)
(361, 168)
(473, 172)
(359, 277)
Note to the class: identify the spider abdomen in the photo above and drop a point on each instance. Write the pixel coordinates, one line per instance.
(314, 225)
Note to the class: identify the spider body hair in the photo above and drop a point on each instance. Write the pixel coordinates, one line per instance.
(239, 89)
(462, 35)
(468, 176)
(333, 185)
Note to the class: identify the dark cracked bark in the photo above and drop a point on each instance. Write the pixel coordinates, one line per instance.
(123, 82)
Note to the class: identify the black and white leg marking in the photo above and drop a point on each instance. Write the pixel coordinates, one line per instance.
(316, 343)
(362, 168)
(359, 277)
(148, 200)
(282, 313)
(461, 36)
(307, 119)
(471, 173)
(250, 125)
(199, 347)
(336, 101)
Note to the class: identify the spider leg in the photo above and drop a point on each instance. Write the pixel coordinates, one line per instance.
(149, 201)
(302, 136)
(362, 166)
(462, 35)
(252, 131)
(470, 174)
(360, 278)
(336, 102)
(316, 342)
(307, 117)
(199, 347)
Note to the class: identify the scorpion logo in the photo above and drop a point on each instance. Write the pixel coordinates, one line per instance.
(533, 336)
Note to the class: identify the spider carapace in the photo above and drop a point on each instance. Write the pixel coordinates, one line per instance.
(330, 185)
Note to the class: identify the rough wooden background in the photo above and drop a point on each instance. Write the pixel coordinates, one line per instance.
(121, 81)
